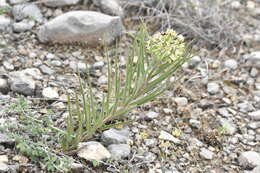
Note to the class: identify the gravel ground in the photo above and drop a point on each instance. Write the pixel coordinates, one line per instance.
(208, 122)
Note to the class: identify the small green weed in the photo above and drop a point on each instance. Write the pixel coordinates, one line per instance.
(223, 130)
(36, 137)
(3, 11)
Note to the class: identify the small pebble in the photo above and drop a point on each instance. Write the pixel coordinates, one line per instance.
(152, 115)
(194, 123)
(50, 93)
(181, 101)
(231, 64)
(213, 88)
(206, 154)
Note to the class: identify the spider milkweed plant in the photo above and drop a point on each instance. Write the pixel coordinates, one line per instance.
(153, 61)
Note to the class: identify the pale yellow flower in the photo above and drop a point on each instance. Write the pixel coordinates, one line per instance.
(168, 46)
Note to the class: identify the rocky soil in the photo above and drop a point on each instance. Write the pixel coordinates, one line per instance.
(208, 122)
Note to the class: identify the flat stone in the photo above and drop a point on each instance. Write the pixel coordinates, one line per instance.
(86, 27)
(114, 136)
(206, 154)
(119, 151)
(151, 115)
(249, 159)
(93, 151)
(167, 136)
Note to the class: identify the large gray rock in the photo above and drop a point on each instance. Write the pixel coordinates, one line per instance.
(29, 11)
(111, 7)
(60, 3)
(86, 27)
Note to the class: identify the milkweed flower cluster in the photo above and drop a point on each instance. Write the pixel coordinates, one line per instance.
(166, 46)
